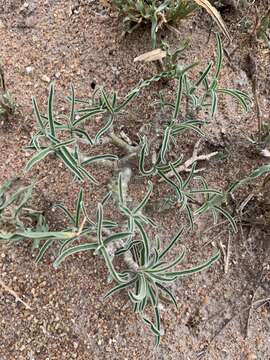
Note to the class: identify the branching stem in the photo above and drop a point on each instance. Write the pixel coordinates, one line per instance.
(186, 167)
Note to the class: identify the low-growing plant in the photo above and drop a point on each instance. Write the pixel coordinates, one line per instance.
(145, 272)
(7, 103)
(18, 221)
(263, 30)
(157, 13)
(154, 12)
(258, 26)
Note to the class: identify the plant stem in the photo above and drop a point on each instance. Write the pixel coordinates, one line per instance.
(115, 140)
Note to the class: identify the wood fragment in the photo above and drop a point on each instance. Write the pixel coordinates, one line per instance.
(153, 55)
(222, 248)
(228, 254)
(13, 293)
(186, 167)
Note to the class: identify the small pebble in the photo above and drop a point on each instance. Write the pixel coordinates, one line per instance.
(29, 70)
(252, 356)
(45, 78)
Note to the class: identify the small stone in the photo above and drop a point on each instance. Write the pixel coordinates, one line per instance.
(45, 78)
(29, 70)
(33, 291)
(24, 7)
(30, 21)
(75, 344)
(252, 356)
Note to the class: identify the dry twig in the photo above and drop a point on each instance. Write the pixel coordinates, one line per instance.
(186, 167)
(228, 254)
(13, 293)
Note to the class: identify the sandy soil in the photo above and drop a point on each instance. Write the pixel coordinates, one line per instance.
(68, 318)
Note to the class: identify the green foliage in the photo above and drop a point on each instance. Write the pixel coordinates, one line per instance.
(262, 170)
(261, 142)
(7, 103)
(258, 27)
(48, 138)
(147, 273)
(191, 91)
(144, 272)
(172, 57)
(264, 28)
(17, 221)
(154, 12)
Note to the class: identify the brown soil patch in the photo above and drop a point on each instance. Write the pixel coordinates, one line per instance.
(68, 318)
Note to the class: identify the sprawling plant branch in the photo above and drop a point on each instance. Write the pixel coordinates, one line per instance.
(187, 166)
(146, 271)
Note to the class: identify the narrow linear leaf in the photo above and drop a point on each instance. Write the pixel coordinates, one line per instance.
(195, 269)
(72, 107)
(37, 113)
(171, 244)
(178, 96)
(90, 113)
(203, 76)
(145, 199)
(169, 265)
(38, 157)
(145, 239)
(119, 288)
(107, 102)
(143, 153)
(219, 56)
(120, 189)
(110, 267)
(43, 250)
(165, 143)
(167, 292)
(87, 175)
(242, 100)
(215, 16)
(99, 223)
(84, 134)
(79, 206)
(50, 110)
(104, 129)
(142, 289)
(99, 158)
(228, 216)
(70, 162)
(152, 326)
(116, 237)
(72, 251)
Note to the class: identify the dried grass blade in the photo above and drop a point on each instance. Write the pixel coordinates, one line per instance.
(153, 55)
(212, 11)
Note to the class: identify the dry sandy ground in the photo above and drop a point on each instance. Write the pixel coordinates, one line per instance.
(68, 318)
